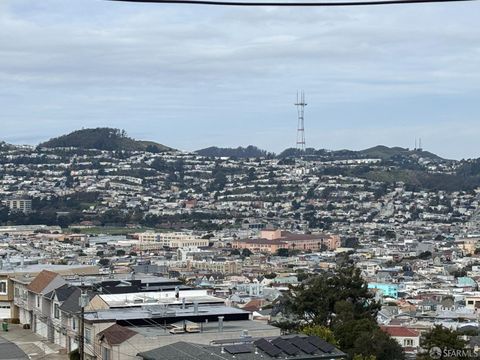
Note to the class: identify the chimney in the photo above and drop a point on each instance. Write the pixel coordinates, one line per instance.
(220, 323)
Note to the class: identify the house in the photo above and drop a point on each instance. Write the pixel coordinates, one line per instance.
(41, 306)
(409, 339)
(292, 346)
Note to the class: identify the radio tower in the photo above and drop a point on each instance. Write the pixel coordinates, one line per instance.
(300, 104)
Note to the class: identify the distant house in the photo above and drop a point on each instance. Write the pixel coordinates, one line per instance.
(409, 339)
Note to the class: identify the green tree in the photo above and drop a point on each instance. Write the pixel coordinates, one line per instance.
(314, 300)
(104, 262)
(247, 253)
(363, 337)
(322, 332)
(442, 338)
(282, 252)
(342, 303)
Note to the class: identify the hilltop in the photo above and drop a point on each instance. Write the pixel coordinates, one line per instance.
(386, 153)
(102, 139)
(377, 152)
(240, 152)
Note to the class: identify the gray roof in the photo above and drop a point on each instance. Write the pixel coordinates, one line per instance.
(71, 304)
(63, 292)
(149, 312)
(189, 351)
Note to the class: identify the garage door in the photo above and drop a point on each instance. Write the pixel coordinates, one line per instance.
(4, 310)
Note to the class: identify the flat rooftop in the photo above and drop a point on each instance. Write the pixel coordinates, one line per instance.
(159, 312)
(206, 327)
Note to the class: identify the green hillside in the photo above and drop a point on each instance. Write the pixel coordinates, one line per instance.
(102, 139)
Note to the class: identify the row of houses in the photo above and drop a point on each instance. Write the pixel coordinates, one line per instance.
(127, 315)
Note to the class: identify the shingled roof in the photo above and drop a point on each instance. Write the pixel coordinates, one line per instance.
(41, 281)
(116, 334)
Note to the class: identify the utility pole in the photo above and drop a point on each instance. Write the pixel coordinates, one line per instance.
(83, 301)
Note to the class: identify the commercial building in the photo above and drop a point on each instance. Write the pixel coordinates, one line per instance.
(272, 240)
(149, 241)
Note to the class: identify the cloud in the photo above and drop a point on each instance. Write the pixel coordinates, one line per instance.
(94, 62)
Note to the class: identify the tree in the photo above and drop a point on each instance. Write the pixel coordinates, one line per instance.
(363, 337)
(322, 332)
(341, 305)
(282, 252)
(314, 300)
(425, 255)
(121, 252)
(152, 148)
(104, 262)
(442, 338)
(247, 253)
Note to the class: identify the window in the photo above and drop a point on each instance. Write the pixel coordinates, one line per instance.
(3, 287)
(408, 342)
(105, 353)
(88, 336)
(38, 301)
(56, 311)
(74, 323)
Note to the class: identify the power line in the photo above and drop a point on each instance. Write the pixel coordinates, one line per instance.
(292, 4)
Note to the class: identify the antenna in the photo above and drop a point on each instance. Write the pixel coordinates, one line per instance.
(300, 104)
(420, 144)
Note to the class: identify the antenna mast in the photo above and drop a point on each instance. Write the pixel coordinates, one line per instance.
(300, 104)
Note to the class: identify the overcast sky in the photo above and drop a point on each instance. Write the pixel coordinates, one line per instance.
(191, 77)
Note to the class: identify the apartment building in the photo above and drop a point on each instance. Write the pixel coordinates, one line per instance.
(149, 241)
(19, 204)
(223, 267)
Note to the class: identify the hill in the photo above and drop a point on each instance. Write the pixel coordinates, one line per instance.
(240, 152)
(378, 152)
(102, 139)
(386, 153)
(5, 146)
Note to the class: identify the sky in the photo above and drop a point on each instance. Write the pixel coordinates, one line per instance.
(192, 77)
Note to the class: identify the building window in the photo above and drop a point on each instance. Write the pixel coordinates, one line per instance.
(105, 353)
(74, 323)
(56, 311)
(407, 342)
(38, 301)
(3, 287)
(88, 336)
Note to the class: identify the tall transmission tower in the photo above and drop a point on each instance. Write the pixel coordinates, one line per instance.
(300, 104)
